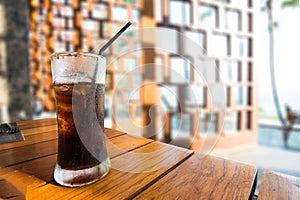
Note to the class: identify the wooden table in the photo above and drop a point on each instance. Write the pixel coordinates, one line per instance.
(141, 169)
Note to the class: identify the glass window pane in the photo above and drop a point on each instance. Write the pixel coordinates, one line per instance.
(241, 95)
(232, 20)
(130, 64)
(207, 71)
(218, 45)
(169, 98)
(180, 13)
(121, 107)
(196, 37)
(122, 81)
(114, 28)
(99, 11)
(137, 79)
(231, 122)
(245, 72)
(207, 18)
(120, 13)
(230, 72)
(136, 15)
(121, 47)
(180, 70)
(208, 123)
(195, 97)
(241, 47)
(90, 25)
(181, 126)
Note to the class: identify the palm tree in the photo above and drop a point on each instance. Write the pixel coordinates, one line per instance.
(271, 25)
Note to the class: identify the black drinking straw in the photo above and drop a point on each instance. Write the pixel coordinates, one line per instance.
(102, 49)
(83, 116)
(114, 38)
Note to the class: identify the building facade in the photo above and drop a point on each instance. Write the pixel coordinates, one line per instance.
(183, 73)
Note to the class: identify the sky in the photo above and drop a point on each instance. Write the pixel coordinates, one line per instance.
(287, 58)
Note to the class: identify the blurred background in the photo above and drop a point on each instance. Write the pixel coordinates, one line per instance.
(163, 74)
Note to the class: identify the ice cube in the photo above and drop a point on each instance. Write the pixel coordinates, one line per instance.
(82, 77)
(69, 76)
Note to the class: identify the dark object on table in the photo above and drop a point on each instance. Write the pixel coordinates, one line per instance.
(10, 132)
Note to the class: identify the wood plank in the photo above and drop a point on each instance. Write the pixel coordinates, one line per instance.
(38, 130)
(29, 124)
(130, 173)
(25, 153)
(43, 168)
(110, 133)
(19, 183)
(49, 124)
(45, 134)
(124, 143)
(37, 123)
(279, 186)
(8, 190)
(204, 177)
(31, 139)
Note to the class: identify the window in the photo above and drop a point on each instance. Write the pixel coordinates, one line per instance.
(180, 70)
(208, 123)
(207, 18)
(180, 13)
(232, 20)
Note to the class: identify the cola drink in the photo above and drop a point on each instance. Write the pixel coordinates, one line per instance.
(72, 99)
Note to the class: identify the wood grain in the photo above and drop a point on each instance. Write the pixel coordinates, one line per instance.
(37, 123)
(49, 124)
(124, 143)
(204, 177)
(279, 186)
(19, 181)
(130, 173)
(38, 130)
(44, 131)
(43, 167)
(141, 169)
(110, 133)
(9, 191)
(31, 139)
(29, 152)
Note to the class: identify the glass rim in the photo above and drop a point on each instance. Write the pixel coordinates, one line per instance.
(75, 54)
